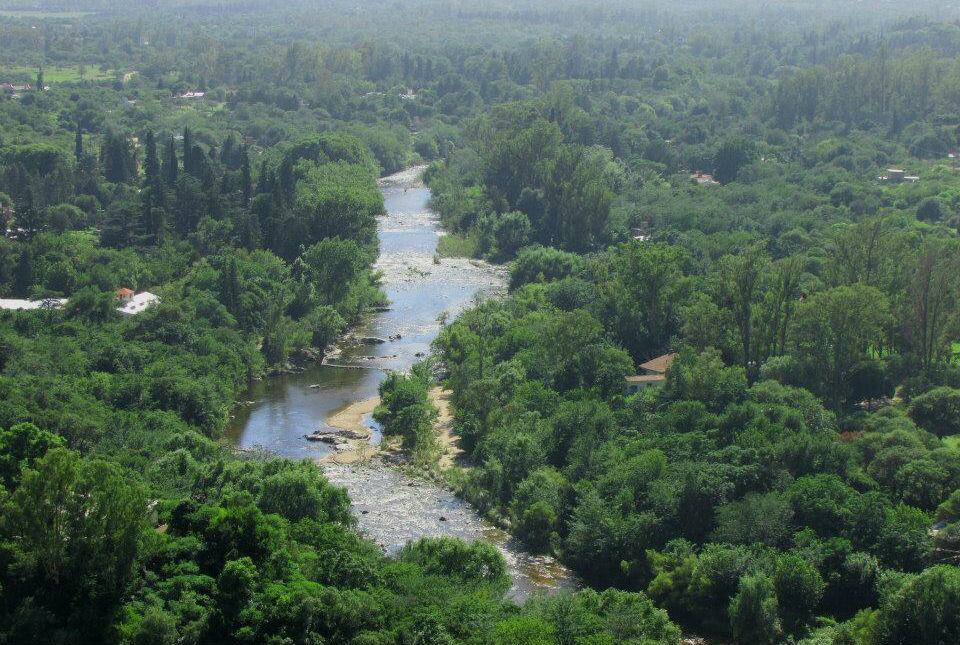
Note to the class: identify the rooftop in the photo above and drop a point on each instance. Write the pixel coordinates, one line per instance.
(659, 365)
(15, 304)
(139, 303)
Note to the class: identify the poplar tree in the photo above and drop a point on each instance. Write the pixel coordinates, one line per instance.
(78, 145)
(246, 179)
(170, 167)
(187, 151)
(151, 162)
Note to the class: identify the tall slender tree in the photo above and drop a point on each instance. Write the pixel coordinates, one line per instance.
(170, 163)
(151, 163)
(245, 177)
(188, 151)
(78, 145)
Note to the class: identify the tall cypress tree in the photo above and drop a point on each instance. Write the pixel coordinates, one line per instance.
(151, 163)
(118, 157)
(23, 274)
(230, 285)
(78, 145)
(170, 163)
(245, 177)
(187, 151)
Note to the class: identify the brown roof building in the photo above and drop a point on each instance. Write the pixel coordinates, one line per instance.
(652, 374)
(658, 365)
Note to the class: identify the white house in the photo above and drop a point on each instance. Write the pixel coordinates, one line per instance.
(137, 303)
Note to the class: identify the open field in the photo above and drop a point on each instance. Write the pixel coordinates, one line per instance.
(55, 73)
(14, 13)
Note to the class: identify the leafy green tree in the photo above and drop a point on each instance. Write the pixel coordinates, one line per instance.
(542, 264)
(76, 523)
(65, 217)
(799, 588)
(92, 305)
(151, 162)
(823, 502)
(20, 447)
(326, 325)
(937, 411)
(296, 493)
(753, 612)
(731, 157)
(118, 157)
(835, 329)
(705, 378)
(764, 519)
(537, 506)
(333, 266)
(932, 293)
(646, 295)
(739, 289)
(523, 630)
(236, 585)
(930, 210)
(170, 167)
(924, 611)
(474, 563)
(23, 273)
(405, 410)
(512, 233)
(157, 627)
(336, 200)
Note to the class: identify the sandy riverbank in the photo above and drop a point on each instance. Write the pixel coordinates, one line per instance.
(351, 418)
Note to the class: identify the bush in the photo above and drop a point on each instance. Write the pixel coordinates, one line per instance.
(937, 411)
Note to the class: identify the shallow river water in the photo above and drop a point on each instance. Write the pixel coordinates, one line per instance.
(392, 508)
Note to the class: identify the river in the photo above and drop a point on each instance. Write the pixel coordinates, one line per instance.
(392, 508)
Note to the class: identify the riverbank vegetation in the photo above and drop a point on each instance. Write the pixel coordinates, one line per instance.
(789, 479)
(766, 190)
(405, 410)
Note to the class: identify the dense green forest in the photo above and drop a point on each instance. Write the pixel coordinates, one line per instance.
(767, 191)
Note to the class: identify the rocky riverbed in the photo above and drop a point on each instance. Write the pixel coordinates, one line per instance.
(333, 402)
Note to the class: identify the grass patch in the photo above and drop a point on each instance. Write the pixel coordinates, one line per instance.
(453, 245)
(55, 73)
(26, 13)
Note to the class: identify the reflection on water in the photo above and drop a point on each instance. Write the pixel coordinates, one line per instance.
(287, 407)
(280, 411)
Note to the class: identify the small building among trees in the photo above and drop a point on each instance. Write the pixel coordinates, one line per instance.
(652, 374)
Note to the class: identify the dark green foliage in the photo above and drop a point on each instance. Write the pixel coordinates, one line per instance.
(405, 410)
(937, 411)
(730, 158)
(923, 611)
(755, 489)
(542, 264)
(75, 525)
(476, 563)
(753, 612)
